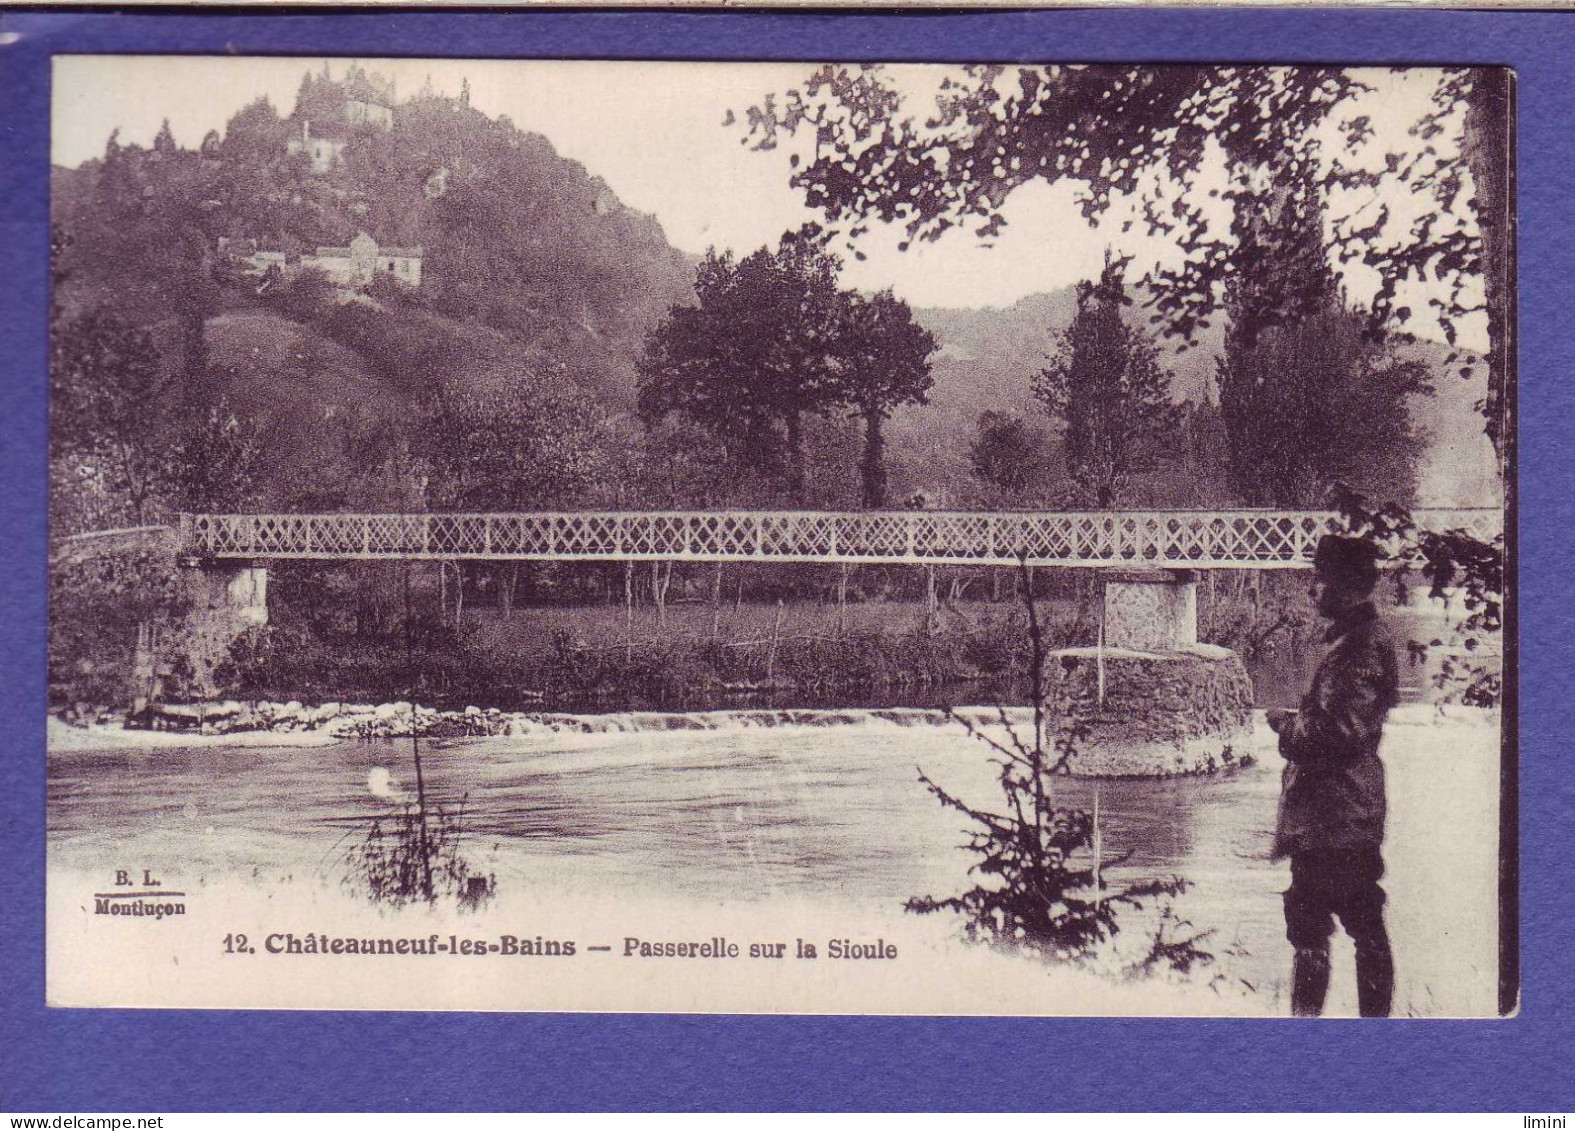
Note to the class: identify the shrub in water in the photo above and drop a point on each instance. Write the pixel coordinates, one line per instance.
(414, 855)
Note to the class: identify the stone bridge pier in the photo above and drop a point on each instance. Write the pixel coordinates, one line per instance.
(1149, 700)
(224, 599)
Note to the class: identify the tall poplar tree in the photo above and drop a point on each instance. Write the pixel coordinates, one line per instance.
(1309, 397)
(1106, 385)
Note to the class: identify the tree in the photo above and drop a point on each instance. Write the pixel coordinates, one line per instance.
(306, 295)
(1463, 570)
(117, 430)
(1006, 452)
(1489, 101)
(752, 357)
(164, 142)
(1476, 105)
(215, 461)
(1316, 403)
(1145, 134)
(674, 465)
(255, 132)
(150, 224)
(514, 440)
(106, 408)
(321, 101)
(882, 360)
(100, 608)
(1309, 397)
(1105, 384)
(1202, 477)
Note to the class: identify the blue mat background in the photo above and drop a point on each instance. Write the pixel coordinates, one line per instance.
(142, 1061)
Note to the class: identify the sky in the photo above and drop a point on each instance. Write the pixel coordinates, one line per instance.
(654, 132)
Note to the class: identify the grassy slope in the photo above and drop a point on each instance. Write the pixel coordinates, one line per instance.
(301, 387)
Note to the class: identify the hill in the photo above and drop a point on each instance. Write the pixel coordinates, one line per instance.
(512, 237)
(526, 263)
(988, 359)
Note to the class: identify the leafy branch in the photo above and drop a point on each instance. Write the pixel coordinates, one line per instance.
(1460, 568)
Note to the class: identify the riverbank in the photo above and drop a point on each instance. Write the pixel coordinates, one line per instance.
(686, 655)
(687, 658)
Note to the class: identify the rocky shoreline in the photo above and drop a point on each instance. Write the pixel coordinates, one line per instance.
(296, 723)
(336, 720)
(401, 719)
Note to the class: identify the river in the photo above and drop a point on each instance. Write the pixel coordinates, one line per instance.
(745, 814)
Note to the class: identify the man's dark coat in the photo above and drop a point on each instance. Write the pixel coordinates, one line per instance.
(1332, 795)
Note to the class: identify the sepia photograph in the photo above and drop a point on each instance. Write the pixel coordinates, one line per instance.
(782, 538)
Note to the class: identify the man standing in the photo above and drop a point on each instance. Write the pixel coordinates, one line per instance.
(1331, 819)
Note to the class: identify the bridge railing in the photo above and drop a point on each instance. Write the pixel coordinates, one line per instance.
(1252, 539)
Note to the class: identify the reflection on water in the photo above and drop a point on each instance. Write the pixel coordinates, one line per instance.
(1279, 677)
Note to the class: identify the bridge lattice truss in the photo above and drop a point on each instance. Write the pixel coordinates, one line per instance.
(1245, 539)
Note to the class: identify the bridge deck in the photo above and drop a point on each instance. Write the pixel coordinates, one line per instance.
(1244, 539)
(96, 543)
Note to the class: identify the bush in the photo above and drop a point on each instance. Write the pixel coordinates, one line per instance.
(1455, 563)
(305, 296)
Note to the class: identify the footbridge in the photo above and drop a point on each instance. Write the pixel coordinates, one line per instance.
(1149, 559)
(1174, 539)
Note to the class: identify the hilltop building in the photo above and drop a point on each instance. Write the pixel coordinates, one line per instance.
(330, 113)
(369, 99)
(257, 260)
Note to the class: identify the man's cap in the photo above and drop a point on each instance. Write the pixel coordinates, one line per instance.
(1342, 558)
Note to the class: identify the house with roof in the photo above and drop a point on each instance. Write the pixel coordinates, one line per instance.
(355, 265)
(331, 113)
(363, 260)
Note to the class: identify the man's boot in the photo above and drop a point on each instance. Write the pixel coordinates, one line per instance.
(1309, 981)
(1375, 976)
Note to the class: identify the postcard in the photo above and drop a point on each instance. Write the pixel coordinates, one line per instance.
(822, 538)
